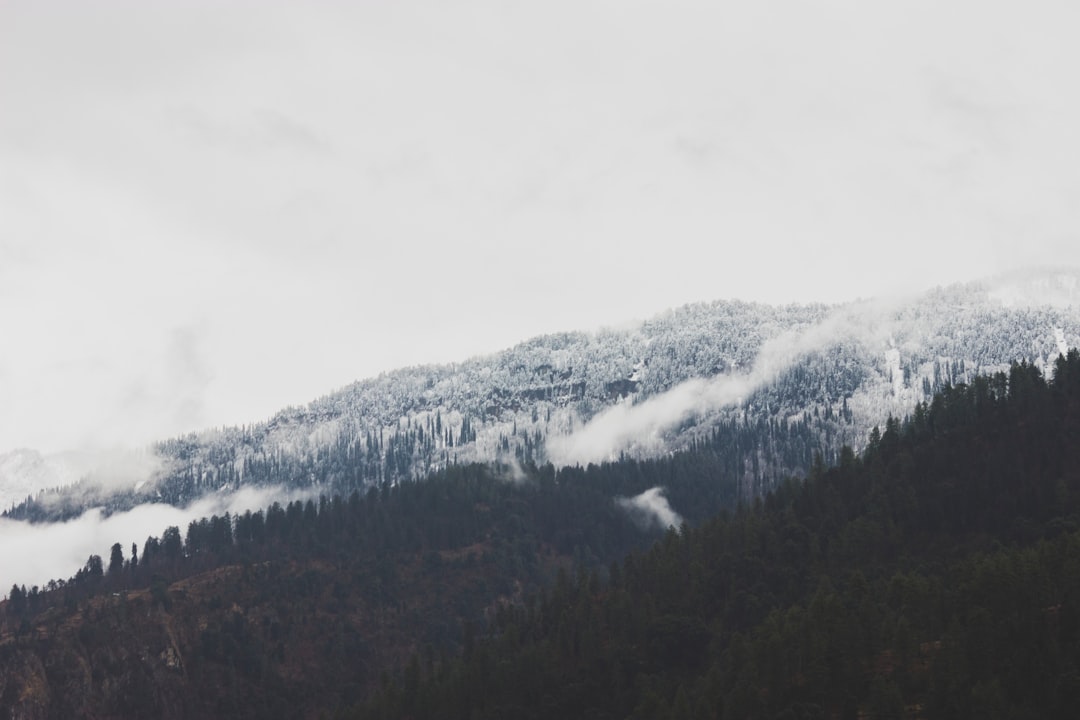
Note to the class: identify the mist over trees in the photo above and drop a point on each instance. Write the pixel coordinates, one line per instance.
(833, 371)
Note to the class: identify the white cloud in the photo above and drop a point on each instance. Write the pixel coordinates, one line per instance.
(651, 508)
(34, 554)
(27, 472)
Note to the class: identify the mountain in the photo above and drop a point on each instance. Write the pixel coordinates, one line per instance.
(933, 575)
(823, 375)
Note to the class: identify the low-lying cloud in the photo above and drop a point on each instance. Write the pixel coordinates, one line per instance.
(641, 428)
(514, 472)
(26, 472)
(118, 468)
(651, 509)
(34, 554)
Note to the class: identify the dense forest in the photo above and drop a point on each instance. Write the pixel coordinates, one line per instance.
(937, 575)
(933, 575)
(304, 607)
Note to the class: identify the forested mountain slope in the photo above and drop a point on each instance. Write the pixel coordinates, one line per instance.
(301, 609)
(831, 372)
(935, 576)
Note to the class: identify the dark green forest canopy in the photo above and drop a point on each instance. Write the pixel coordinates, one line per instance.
(937, 575)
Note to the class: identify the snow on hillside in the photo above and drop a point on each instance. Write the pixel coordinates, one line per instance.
(817, 376)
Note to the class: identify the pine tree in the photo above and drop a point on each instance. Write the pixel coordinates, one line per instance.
(116, 559)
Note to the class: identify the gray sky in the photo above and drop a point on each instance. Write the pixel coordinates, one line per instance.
(209, 210)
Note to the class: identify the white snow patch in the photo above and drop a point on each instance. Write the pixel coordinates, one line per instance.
(892, 361)
(1059, 337)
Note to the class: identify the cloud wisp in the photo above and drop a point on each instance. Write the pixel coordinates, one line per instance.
(642, 427)
(36, 553)
(651, 509)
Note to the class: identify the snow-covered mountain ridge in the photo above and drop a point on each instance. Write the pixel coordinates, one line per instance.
(783, 382)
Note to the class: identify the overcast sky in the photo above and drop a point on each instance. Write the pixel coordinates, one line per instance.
(210, 210)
